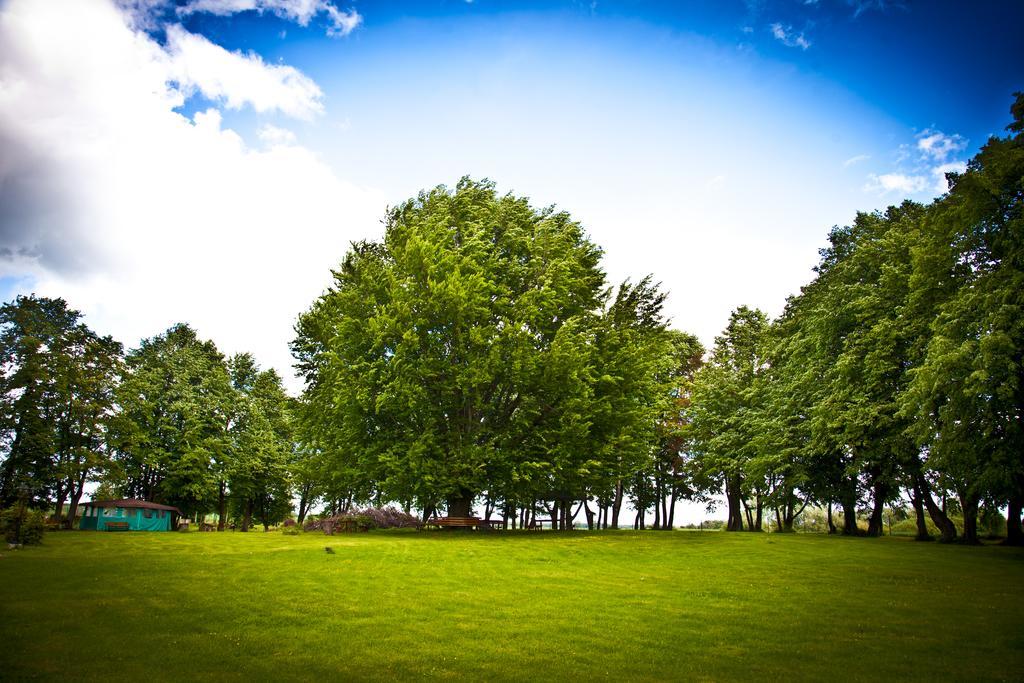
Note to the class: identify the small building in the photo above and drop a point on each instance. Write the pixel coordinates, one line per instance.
(139, 515)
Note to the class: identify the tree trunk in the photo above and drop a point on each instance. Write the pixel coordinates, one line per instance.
(947, 529)
(575, 513)
(590, 515)
(617, 504)
(831, 524)
(789, 518)
(1014, 533)
(849, 503)
(922, 524)
(461, 505)
(875, 527)
(758, 526)
(222, 507)
(247, 515)
(304, 504)
(75, 497)
(672, 508)
(969, 505)
(664, 511)
(59, 505)
(732, 495)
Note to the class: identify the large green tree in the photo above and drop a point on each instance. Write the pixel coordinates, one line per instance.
(725, 402)
(262, 444)
(968, 393)
(56, 396)
(474, 351)
(172, 430)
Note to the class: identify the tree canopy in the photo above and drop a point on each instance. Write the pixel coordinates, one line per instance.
(476, 350)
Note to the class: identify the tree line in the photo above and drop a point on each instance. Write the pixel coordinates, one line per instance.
(896, 374)
(475, 354)
(476, 358)
(172, 421)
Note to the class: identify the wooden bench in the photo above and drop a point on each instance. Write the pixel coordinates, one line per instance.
(458, 522)
(115, 526)
(493, 523)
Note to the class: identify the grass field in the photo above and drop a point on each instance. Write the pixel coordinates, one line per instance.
(542, 606)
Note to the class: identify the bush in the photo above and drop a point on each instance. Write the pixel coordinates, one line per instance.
(32, 527)
(712, 524)
(813, 520)
(369, 518)
(908, 527)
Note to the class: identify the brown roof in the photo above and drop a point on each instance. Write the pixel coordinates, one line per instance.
(130, 503)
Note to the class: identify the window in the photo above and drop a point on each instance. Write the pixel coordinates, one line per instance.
(147, 513)
(110, 512)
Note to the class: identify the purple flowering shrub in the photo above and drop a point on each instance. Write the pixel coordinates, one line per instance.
(364, 520)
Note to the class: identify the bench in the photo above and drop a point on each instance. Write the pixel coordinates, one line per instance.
(116, 526)
(458, 522)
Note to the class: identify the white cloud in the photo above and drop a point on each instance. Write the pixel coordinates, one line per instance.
(142, 217)
(938, 146)
(940, 171)
(340, 22)
(238, 79)
(921, 167)
(896, 182)
(856, 160)
(788, 37)
(273, 136)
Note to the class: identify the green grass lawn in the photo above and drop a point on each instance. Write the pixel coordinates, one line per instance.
(541, 606)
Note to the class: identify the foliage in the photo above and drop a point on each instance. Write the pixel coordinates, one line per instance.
(895, 374)
(22, 525)
(171, 432)
(56, 397)
(262, 442)
(724, 403)
(474, 351)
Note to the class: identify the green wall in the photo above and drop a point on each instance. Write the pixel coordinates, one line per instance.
(160, 520)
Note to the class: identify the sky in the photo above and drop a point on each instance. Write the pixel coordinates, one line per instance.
(209, 161)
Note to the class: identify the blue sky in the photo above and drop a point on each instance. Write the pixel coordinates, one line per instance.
(217, 156)
(947, 64)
